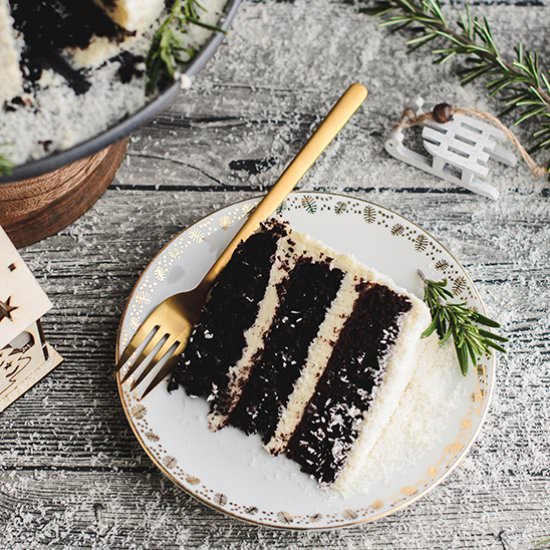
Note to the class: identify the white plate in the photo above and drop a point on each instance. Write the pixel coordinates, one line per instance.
(228, 470)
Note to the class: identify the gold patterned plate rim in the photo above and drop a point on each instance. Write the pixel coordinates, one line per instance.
(308, 203)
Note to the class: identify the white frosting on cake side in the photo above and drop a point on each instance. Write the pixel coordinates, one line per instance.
(400, 363)
(11, 81)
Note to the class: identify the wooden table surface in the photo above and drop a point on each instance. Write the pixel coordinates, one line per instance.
(71, 473)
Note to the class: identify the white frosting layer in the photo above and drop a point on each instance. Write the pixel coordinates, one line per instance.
(133, 15)
(11, 81)
(99, 50)
(254, 337)
(399, 367)
(319, 353)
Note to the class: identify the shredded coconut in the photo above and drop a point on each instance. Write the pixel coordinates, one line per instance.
(433, 394)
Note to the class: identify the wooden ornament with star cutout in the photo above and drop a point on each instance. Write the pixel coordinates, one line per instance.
(25, 355)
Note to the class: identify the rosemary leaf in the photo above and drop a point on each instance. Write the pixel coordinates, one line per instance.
(6, 166)
(452, 319)
(167, 50)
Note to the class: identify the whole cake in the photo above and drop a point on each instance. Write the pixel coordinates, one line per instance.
(70, 69)
(305, 347)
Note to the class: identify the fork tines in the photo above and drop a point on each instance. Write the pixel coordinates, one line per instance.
(155, 352)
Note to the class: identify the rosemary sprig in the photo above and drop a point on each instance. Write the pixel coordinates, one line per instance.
(167, 50)
(522, 84)
(6, 165)
(463, 324)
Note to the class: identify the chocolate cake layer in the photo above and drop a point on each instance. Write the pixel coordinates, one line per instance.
(331, 421)
(217, 341)
(305, 295)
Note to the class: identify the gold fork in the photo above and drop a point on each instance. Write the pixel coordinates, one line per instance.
(163, 335)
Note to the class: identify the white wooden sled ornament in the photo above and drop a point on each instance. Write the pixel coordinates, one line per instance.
(25, 356)
(460, 150)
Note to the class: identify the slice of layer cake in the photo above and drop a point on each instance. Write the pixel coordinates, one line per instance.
(305, 347)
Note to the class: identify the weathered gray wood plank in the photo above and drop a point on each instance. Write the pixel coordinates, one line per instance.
(133, 510)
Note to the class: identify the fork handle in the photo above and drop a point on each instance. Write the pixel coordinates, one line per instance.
(310, 152)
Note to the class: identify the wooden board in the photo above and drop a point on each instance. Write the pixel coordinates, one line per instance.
(38, 207)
